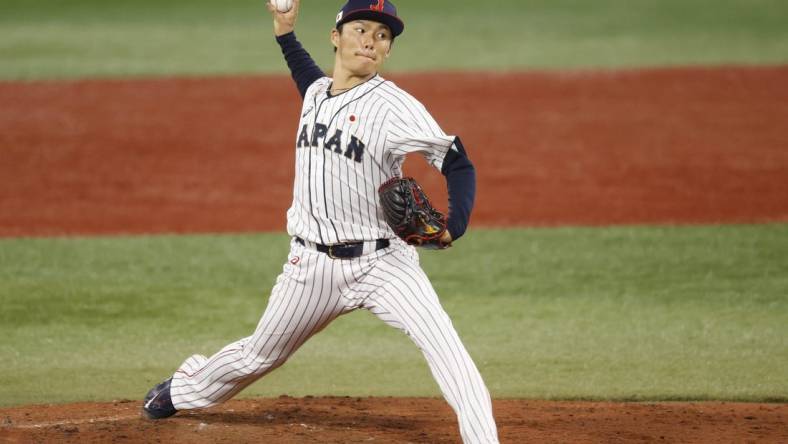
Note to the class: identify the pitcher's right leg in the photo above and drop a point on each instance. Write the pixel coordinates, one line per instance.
(406, 300)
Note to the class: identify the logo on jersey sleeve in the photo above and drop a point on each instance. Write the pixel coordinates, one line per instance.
(353, 149)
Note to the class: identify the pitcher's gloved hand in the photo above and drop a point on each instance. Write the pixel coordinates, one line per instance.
(410, 214)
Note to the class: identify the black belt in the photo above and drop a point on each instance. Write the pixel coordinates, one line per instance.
(347, 250)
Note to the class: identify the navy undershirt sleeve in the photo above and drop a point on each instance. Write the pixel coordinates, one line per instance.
(461, 183)
(303, 69)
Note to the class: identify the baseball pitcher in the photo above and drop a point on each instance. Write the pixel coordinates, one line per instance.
(354, 223)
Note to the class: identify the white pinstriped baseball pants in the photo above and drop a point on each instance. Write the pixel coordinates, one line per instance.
(313, 290)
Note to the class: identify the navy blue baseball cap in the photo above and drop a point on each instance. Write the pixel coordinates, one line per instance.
(382, 11)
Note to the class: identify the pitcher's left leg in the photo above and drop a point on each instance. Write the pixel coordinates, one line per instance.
(304, 300)
(406, 300)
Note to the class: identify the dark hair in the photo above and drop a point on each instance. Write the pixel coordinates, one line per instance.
(339, 30)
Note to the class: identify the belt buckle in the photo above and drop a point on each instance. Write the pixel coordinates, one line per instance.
(331, 254)
(344, 256)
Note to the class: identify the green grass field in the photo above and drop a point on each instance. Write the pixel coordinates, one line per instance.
(633, 313)
(87, 38)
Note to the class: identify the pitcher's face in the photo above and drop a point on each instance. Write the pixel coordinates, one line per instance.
(362, 46)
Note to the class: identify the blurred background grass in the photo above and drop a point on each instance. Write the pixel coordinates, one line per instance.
(634, 313)
(42, 39)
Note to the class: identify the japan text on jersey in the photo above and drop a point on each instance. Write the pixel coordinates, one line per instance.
(347, 145)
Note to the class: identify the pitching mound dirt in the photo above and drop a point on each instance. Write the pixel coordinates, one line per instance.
(397, 420)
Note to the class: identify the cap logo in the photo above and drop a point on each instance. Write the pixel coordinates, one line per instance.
(339, 16)
(378, 7)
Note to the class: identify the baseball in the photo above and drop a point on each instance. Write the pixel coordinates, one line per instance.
(282, 5)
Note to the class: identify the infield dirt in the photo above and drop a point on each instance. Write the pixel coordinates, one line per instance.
(216, 155)
(398, 420)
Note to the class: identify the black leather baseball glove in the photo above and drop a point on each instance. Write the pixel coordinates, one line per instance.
(411, 215)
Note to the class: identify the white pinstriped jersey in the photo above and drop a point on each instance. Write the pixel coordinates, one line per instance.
(347, 145)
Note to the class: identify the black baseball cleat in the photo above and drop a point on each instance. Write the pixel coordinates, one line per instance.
(158, 404)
